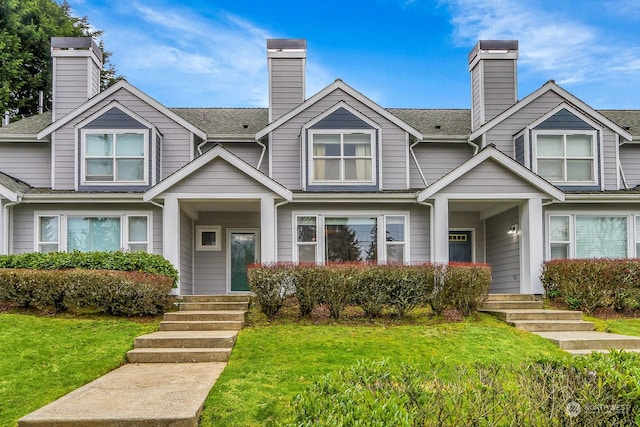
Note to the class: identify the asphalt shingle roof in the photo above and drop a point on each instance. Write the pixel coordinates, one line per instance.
(27, 126)
(13, 184)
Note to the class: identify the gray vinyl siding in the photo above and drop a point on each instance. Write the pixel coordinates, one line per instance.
(436, 160)
(418, 233)
(503, 252)
(186, 254)
(249, 152)
(210, 275)
(609, 160)
(114, 119)
(175, 139)
(519, 149)
(470, 221)
(489, 177)
(630, 160)
(217, 177)
(29, 162)
(499, 86)
(286, 153)
(476, 98)
(72, 76)
(23, 232)
(287, 85)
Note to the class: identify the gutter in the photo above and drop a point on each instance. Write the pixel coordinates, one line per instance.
(264, 150)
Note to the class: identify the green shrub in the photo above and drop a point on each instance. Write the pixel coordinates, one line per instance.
(371, 290)
(467, 286)
(271, 284)
(309, 282)
(438, 298)
(338, 290)
(113, 292)
(104, 260)
(408, 286)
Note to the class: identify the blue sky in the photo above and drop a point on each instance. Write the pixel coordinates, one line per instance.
(400, 53)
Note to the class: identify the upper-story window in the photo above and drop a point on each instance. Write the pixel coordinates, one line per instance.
(566, 158)
(114, 157)
(346, 157)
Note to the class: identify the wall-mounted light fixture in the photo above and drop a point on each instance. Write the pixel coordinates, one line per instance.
(513, 230)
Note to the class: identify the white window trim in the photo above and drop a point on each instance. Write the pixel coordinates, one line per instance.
(380, 223)
(208, 229)
(631, 229)
(564, 133)
(341, 132)
(115, 132)
(62, 226)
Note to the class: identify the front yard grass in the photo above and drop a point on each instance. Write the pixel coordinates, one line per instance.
(43, 358)
(270, 364)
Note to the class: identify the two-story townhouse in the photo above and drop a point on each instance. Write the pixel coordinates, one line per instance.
(333, 177)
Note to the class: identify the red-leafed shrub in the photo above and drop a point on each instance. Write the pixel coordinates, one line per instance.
(589, 284)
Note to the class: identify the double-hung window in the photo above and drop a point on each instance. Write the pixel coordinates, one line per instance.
(346, 157)
(114, 157)
(588, 236)
(351, 238)
(566, 158)
(85, 233)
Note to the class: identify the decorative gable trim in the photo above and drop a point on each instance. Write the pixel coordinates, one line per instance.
(217, 152)
(550, 86)
(507, 162)
(339, 84)
(122, 108)
(122, 84)
(564, 106)
(336, 107)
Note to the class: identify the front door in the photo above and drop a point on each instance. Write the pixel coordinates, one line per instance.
(460, 246)
(243, 251)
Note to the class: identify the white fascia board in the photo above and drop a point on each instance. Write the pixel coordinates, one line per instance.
(550, 85)
(502, 159)
(339, 84)
(201, 161)
(83, 197)
(122, 84)
(409, 197)
(8, 194)
(20, 137)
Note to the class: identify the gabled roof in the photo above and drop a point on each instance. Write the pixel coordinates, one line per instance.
(549, 86)
(339, 85)
(122, 84)
(216, 152)
(490, 152)
(11, 188)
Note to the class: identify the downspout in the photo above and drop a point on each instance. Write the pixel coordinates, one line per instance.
(202, 144)
(475, 146)
(5, 225)
(275, 227)
(264, 150)
(415, 159)
(431, 227)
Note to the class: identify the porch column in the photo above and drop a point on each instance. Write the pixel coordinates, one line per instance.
(531, 246)
(440, 232)
(171, 232)
(267, 229)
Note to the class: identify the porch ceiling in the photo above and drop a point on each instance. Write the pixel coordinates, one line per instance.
(222, 205)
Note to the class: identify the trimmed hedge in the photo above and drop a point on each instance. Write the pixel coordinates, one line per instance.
(399, 288)
(589, 284)
(113, 292)
(105, 260)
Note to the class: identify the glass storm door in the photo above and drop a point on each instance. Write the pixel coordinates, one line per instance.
(243, 251)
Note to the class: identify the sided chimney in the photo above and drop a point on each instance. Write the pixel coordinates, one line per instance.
(286, 60)
(492, 64)
(77, 62)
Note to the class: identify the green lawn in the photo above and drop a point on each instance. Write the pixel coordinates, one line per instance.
(272, 363)
(43, 358)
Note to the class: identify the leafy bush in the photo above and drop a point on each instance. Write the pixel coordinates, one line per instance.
(104, 260)
(371, 291)
(113, 292)
(589, 284)
(408, 286)
(309, 282)
(467, 286)
(271, 284)
(598, 389)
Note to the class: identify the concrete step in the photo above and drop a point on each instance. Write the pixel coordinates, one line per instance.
(538, 314)
(201, 325)
(591, 340)
(178, 355)
(219, 315)
(509, 305)
(511, 297)
(216, 298)
(213, 306)
(582, 352)
(553, 325)
(186, 339)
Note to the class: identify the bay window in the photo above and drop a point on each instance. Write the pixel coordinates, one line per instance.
(114, 157)
(85, 233)
(567, 158)
(590, 236)
(351, 238)
(342, 157)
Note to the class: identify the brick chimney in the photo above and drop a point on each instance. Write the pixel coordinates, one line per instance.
(77, 62)
(494, 86)
(286, 60)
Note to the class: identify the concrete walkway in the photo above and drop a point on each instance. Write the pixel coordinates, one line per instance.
(134, 395)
